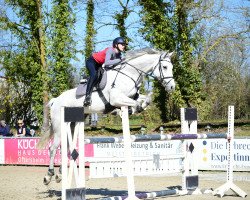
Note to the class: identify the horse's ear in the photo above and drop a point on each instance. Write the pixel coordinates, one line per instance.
(170, 54)
(164, 55)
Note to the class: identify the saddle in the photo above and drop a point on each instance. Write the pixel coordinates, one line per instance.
(100, 83)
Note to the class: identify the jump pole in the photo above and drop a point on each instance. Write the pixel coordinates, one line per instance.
(220, 191)
(156, 137)
(69, 148)
(146, 195)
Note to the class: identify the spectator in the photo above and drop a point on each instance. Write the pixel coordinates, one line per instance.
(32, 133)
(4, 129)
(22, 130)
(94, 120)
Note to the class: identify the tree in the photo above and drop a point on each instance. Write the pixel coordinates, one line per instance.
(187, 75)
(120, 18)
(157, 28)
(24, 59)
(223, 60)
(62, 47)
(225, 79)
(90, 29)
(173, 26)
(40, 38)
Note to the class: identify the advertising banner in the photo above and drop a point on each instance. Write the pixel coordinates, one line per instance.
(23, 151)
(211, 154)
(214, 154)
(139, 149)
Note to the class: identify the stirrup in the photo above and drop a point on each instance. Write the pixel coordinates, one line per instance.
(87, 101)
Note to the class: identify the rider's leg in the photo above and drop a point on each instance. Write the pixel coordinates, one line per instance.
(91, 66)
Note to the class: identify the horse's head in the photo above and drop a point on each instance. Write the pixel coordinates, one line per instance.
(164, 71)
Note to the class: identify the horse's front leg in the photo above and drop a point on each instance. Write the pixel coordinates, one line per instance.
(118, 99)
(144, 101)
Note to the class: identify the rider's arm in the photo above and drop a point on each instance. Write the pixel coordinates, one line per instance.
(110, 60)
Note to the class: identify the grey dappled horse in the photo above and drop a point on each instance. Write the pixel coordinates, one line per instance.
(123, 83)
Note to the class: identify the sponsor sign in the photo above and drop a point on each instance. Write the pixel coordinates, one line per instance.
(210, 154)
(214, 154)
(23, 151)
(139, 149)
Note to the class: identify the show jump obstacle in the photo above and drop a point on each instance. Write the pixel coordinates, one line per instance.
(72, 191)
(188, 137)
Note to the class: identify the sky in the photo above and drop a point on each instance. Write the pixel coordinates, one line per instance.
(106, 33)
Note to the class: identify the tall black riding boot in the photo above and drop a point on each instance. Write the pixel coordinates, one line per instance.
(87, 101)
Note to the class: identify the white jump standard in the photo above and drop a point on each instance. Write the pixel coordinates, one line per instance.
(229, 184)
(69, 148)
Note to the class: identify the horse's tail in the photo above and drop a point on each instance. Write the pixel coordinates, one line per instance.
(48, 134)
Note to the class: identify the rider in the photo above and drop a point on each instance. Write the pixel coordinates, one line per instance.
(108, 56)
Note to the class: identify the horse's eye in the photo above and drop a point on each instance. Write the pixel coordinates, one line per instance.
(164, 67)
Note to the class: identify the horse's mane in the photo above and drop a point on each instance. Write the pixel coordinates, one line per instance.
(139, 52)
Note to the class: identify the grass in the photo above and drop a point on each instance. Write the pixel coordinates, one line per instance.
(243, 130)
(105, 129)
(111, 126)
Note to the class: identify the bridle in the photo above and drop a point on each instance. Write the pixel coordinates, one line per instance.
(151, 74)
(162, 77)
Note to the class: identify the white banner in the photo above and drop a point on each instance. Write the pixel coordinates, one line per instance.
(139, 149)
(212, 154)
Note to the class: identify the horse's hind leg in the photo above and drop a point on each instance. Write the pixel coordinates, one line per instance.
(51, 172)
(58, 176)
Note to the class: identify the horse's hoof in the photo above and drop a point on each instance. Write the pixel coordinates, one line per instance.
(58, 178)
(139, 109)
(46, 180)
(130, 110)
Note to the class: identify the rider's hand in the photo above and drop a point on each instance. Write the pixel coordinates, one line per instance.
(123, 60)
